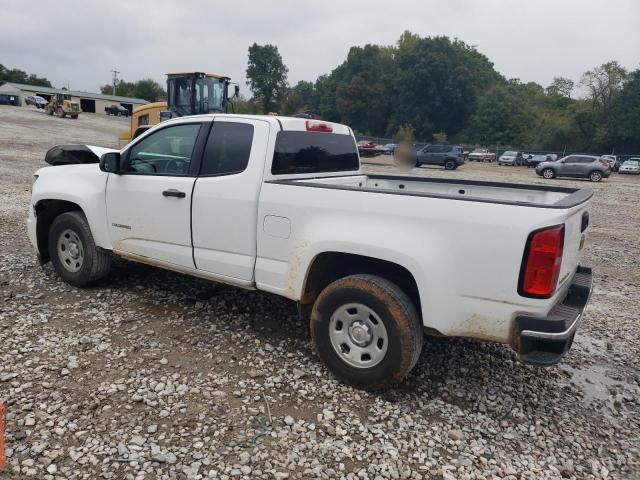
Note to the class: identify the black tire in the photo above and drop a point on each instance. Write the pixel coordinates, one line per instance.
(548, 173)
(399, 318)
(595, 176)
(449, 165)
(95, 262)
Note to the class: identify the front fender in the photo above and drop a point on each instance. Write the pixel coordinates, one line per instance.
(83, 185)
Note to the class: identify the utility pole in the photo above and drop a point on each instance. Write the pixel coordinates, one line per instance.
(115, 79)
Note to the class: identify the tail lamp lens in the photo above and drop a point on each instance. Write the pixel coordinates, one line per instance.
(316, 126)
(541, 262)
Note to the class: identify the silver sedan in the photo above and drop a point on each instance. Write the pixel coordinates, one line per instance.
(630, 166)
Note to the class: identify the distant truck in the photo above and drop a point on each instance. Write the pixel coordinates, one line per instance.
(481, 155)
(117, 111)
(281, 205)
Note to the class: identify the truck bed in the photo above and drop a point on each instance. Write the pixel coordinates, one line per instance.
(470, 190)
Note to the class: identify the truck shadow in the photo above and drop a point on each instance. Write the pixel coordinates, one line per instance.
(470, 375)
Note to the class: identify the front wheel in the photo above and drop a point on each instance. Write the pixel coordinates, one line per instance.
(366, 331)
(595, 176)
(548, 173)
(73, 252)
(449, 165)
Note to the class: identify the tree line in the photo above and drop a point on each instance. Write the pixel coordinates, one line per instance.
(147, 89)
(437, 89)
(15, 75)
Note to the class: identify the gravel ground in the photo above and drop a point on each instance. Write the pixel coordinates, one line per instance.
(153, 374)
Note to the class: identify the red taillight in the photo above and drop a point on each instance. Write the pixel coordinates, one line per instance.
(316, 126)
(541, 262)
(604, 163)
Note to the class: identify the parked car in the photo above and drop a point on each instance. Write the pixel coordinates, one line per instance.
(281, 205)
(537, 159)
(481, 155)
(36, 101)
(448, 156)
(512, 158)
(368, 148)
(613, 162)
(117, 110)
(578, 166)
(630, 166)
(387, 149)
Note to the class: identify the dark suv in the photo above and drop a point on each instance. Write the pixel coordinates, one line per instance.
(117, 110)
(448, 156)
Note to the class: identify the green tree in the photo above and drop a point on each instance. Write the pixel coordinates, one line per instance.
(625, 121)
(266, 75)
(300, 98)
(149, 90)
(604, 83)
(405, 133)
(437, 83)
(440, 137)
(146, 89)
(16, 75)
(497, 118)
(560, 86)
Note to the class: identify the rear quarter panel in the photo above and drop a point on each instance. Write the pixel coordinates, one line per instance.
(465, 256)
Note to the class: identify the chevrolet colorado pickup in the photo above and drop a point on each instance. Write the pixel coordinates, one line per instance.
(374, 262)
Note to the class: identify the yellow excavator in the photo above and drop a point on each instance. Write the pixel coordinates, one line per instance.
(190, 93)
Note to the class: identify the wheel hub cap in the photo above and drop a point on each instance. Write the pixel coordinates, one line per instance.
(74, 251)
(358, 335)
(70, 251)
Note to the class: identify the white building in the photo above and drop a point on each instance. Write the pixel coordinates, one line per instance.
(16, 94)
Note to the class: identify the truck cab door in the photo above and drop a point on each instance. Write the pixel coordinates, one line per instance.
(149, 202)
(225, 199)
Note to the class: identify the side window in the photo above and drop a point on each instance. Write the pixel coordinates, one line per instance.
(429, 149)
(572, 159)
(444, 149)
(165, 152)
(228, 148)
(143, 119)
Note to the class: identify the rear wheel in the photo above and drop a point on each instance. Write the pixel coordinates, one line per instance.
(548, 173)
(595, 176)
(366, 331)
(73, 252)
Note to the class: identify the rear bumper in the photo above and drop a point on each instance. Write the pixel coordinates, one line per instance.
(545, 340)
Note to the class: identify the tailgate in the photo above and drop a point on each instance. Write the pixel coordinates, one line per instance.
(576, 226)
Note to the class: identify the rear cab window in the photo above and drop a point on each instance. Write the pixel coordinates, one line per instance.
(314, 152)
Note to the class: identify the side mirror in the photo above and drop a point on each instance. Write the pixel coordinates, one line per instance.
(110, 162)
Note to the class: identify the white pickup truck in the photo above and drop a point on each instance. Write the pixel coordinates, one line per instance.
(375, 262)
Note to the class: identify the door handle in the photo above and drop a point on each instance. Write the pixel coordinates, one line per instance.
(174, 193)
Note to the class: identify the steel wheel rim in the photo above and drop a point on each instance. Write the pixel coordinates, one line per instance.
(70, 250)
(548, 174)
(596, 176)
(358, 335)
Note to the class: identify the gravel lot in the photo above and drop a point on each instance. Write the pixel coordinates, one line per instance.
(153, 374)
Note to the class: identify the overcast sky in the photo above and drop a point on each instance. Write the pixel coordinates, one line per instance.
(78, 42)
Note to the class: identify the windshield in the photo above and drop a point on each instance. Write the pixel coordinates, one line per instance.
(509, 153)
(208, 95)
(631, 163)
